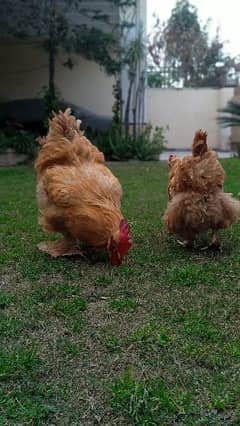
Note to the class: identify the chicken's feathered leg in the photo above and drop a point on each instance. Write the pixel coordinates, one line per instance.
(64, 247)
(215, 242)
(215, 239)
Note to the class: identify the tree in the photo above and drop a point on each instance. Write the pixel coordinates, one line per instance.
(185, 41)
(134, 55)
(182, 48)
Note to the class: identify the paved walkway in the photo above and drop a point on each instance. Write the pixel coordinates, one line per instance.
(182, 153)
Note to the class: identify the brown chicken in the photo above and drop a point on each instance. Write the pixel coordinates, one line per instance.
(77, 194)
(197, 202)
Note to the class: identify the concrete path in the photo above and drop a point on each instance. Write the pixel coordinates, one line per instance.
(182, 153)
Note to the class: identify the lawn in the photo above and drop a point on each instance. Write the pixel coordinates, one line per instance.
(153, 342)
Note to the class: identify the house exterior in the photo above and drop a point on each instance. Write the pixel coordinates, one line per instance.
(24, 63)
(24, 73)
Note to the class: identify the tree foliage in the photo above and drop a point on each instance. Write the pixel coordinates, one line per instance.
(64, 24)
(182, 49)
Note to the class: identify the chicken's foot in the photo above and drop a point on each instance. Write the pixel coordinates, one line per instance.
(64, 247)
(215, 243)
(185, 243)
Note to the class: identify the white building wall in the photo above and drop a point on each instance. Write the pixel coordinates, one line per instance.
(186, 110)
(24, 72)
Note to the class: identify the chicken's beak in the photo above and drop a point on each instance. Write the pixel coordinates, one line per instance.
(115, 259)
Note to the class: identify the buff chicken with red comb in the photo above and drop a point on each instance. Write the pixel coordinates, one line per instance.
(78, 196)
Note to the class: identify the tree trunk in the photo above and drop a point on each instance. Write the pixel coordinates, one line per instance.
(134, 113)
(127, 109)
(51, 70)
(52, 53)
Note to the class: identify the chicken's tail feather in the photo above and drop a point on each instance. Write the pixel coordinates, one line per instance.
(41, 140)
(230, 208)
(65, 124)
(199, 145)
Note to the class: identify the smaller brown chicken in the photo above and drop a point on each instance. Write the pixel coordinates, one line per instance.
(197, 202)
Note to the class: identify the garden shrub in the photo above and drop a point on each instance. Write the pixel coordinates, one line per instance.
(22, 142)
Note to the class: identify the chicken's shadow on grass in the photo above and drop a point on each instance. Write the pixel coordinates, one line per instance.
(93, 256)
(90, 256)
(37, 264)
(225, 250)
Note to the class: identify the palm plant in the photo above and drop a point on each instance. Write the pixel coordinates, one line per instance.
(231, 117)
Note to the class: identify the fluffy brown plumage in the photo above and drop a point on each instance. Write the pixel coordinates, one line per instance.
(197, 202)
(78, 196)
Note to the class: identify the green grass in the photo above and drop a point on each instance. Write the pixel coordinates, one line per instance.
(16, 363)
(155, 341)
(148, 402)
(123, 304)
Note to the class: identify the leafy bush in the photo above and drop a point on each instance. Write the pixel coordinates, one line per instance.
(51, 103)
(117, 146)
(113, 143)
(21, 142)
(101, 140)
(121, 145)
(149, 146)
